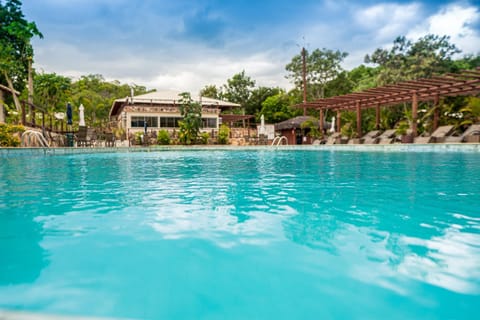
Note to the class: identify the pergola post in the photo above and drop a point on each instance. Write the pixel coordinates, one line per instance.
(414, 114)
(359, 119)
(338, 121)
(321, 121)
(377, 116)
(436, 113)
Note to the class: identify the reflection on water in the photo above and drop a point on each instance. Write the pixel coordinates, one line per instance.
(150, 233)
(21, 256)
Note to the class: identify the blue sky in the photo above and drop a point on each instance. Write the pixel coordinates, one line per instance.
(187, 44)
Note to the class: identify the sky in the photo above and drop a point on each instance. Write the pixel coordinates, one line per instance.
(187, 44)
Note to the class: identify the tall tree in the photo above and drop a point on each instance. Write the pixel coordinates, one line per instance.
(51, 91)
(322, 67)
(258, 95)
(239, 88)
(277, 108)
(16, 51)
(191, 112)
(97, 95)
(211, 91)
(407, 60)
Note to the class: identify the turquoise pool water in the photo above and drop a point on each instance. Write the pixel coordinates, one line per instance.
(264, 234)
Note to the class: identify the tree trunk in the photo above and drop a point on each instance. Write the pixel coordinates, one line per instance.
(30, 91)
(2, 109)
(15, 98)
(30, 82)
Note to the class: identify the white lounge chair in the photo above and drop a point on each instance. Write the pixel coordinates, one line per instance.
(472, 131)
(387, 137)
(372, 137)
(437, 135)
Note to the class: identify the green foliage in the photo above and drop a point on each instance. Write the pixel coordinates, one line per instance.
(322, 66)
(9, 135)
(15, 47)
(138, 137)
(238, 88)
(211, 91)
(313, 129)
(223, 134)
(97, 96)
(467, 62)
(460, 111)
(408, 60)
(349, 124)
(277, 108)
(257, 97)
(51, 91)
(192, 119)
(204, 136)
(402, 128)
(163, 137)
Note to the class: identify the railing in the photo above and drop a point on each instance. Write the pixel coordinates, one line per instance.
(278, 140)
(32, 138)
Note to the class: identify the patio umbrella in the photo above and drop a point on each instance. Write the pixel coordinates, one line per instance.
(69, 114)
(81, 115)
(262, 124)
(332, 129)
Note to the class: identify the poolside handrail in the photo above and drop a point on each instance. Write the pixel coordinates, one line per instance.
(279, 140)
(30, 135)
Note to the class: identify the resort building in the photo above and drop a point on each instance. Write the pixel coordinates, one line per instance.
(161, 110)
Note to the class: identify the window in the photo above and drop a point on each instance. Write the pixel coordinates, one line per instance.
(209, 122)
(139, 122)
(169, 122)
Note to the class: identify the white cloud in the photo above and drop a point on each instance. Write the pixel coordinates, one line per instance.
(388, 20)
(455, 21)
(152, 51)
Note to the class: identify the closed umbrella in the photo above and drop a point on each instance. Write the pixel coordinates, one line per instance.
(69, 113)
(81, 122)
(332, 129)
(262, 124)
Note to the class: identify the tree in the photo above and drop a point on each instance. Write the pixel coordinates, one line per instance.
(408, 60)
(16, 51)
(51, 91)
(239, 88)
(211, 91)
(257, 97)
(277, 108)
(192, 119)
(97, 96)
(322, 66)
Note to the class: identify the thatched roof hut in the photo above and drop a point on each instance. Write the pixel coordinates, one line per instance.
(295, 123)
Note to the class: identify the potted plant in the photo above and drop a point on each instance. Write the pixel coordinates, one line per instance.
(349, 134)
(402, 131)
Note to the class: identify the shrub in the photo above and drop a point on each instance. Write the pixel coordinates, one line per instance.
(163, 137)
(9, 135)
(138, 137)
(204, 136)
(223, 134)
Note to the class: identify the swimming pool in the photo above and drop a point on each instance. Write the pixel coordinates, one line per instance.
(269, 234)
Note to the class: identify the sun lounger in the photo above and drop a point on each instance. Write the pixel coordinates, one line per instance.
(83, 138)
(472, 134)
(437, 136)
(372, 137)
(387, 137)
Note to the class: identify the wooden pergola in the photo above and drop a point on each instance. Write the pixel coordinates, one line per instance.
(466, 82)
